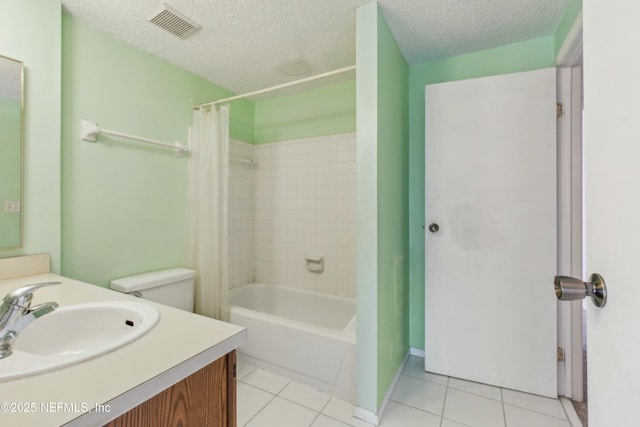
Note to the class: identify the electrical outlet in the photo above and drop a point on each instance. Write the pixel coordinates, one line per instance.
(11, 206)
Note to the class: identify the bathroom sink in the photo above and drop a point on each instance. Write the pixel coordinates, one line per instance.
(75, 333)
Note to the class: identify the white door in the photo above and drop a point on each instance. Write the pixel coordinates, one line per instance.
(490, 310)
(612, 201)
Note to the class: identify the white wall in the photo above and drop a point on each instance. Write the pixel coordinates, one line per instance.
(305, 205)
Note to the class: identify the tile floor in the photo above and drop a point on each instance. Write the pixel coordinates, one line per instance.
(420, 399)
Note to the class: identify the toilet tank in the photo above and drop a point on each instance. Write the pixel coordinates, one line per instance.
(173, 287)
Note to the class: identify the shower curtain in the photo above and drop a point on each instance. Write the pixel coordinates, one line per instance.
(207, 210)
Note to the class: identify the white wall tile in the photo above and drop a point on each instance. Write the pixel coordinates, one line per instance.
(305, 205)
(299, 200)
(241, 216)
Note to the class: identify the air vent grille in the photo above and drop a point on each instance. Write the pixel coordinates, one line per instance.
(174, 22)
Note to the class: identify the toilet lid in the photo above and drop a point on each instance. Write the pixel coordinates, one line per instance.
(151, 279)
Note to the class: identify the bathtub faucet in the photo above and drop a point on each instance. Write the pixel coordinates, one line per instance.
(16, 313)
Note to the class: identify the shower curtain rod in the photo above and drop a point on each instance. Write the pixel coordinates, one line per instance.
(274, 88)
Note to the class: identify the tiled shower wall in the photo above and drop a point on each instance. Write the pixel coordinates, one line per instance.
(241, 215)
(304, 205)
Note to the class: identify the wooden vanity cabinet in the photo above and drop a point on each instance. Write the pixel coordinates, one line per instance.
(207, 398)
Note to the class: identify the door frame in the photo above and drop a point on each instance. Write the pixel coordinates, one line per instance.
(570, 210)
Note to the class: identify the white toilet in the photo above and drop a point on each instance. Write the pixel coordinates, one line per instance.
(173, 287)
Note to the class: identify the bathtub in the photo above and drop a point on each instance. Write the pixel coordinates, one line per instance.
(306, 336)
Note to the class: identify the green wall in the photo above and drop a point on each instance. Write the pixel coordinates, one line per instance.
(367, 208)
(124, 202)
(10, 151)
(525, 56)
(393, 207)
(383, 193)
(574, 7)
(322, 111)
(30, 32)
(331, 109)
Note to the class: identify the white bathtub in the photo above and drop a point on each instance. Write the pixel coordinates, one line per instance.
(306, 336)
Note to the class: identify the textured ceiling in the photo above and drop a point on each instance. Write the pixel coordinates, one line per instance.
(245, 45)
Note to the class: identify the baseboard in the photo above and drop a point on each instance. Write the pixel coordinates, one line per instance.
(416, 352)
(366, 415)
(375, 418)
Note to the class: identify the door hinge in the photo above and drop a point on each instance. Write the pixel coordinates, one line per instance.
(560, 354)
(559, 109)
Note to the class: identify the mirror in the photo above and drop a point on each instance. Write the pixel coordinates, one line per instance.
(11, 117)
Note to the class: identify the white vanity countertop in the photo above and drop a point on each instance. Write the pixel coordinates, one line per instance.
(180, 344)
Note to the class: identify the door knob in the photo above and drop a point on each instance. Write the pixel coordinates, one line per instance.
(433, 227)
(570, 288)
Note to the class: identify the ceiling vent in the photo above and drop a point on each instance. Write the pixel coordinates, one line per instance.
(174, 22)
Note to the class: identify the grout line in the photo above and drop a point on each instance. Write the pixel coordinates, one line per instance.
(269, 391)
(290, 401)
(247, 374)
(282, 389)
(349, 424)
(329, 416)
(325, 405)
(457, 422)
(300, 404)
(427, 380)
(261, 409)
(538, 411)
(314, 420)
(476, 394)
(415, 407)
(479, 395)
(504, 412)
(444, 402)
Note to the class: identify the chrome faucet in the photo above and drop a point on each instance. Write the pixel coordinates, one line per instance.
(16, 313)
